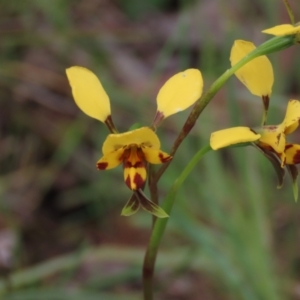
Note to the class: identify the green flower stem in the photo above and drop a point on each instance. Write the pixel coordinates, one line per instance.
(160, 225)
(273, 45)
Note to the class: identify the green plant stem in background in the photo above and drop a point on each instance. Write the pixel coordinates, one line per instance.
(160, 225)
(289, 10)
(273, 45)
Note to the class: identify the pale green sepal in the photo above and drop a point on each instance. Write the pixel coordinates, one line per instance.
(150, 206)
(293, 171)
(131, 207)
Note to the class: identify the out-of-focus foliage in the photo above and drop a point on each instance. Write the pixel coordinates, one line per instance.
(232, 234)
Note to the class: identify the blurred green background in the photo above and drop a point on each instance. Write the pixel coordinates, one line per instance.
(232, 234)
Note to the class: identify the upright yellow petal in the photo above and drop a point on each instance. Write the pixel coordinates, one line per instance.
(284, 29)
(141, 136)
(256, 75)
(88, 93)
(292, 116)
(231, 136)
(179, 92)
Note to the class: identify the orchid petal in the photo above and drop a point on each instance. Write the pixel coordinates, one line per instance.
(292, 116)
(273, 137)
(88, 93)
(256, 75)
(141, 136)
(292, 153)
(284, 29)
(154, 156)
(179, 92)
(110, 160)
(231, 136)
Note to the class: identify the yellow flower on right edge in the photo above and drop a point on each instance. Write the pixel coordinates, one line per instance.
(282, 30)
(257, 76)
(270, 140)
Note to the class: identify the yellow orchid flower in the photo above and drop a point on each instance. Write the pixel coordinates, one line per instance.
(135, 148)
(270, 139)
(257, 75)
(284, 29)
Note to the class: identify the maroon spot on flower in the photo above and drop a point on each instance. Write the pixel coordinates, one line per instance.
(102, 166)
(296, 158)
(138, 164)
(136, 183)
(138, 180)
(164, 159)
(288, 146)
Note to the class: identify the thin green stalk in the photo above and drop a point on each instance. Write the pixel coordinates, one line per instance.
(290, 11)
(160, 225)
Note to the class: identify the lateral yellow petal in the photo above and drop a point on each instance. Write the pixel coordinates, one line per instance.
(257, 75)
(179, 92)
(231, 136)
(292, 154)
(284, 29)
(292, 116)
(88, 93)
(154, 156)
(141, 136)
(110, 160)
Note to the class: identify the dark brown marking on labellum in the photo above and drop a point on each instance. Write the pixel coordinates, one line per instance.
(138, 164)
(164, 159)
(296, 158)
(102, 166)
(138, 180)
